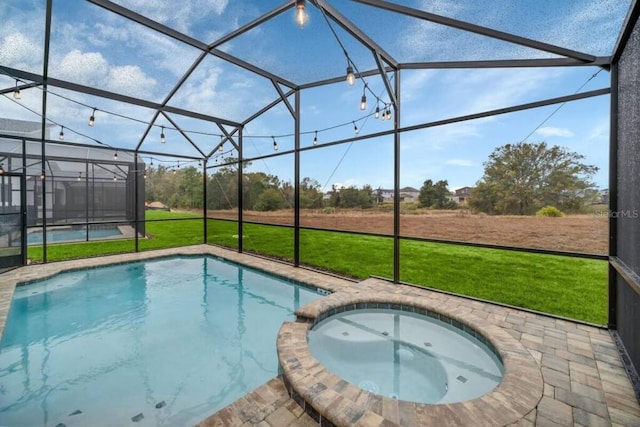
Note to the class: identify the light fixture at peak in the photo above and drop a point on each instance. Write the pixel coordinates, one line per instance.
(302, 17)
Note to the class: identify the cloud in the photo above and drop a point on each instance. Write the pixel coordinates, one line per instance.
(460, 162)
(92, 69)
(554, 131)
(18, 50)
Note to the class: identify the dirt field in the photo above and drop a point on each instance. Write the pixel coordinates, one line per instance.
(576, 233)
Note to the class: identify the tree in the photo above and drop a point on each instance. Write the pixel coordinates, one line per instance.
(435, 195)
(521, 178)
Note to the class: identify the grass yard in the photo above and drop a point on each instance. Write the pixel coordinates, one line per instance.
(570, 287)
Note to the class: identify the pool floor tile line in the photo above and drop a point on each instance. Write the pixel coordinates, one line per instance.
(584, 379)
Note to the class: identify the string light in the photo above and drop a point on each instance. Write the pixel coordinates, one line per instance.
(301, 14)
(16, 91)
(115, 178)
(275, 144)
(79, 176)
(61, 134)
(363, 101)
(1, 169)
(42, 175)
(115, 155)
(355, 128)
(92, 119)
(315, 139)
(163, 139)
(388, 113)
(377, 114)
(351, 78)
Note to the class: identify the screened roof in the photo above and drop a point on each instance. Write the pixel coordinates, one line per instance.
(196, 71)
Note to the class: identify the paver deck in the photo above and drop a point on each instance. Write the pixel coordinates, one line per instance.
(585, 383)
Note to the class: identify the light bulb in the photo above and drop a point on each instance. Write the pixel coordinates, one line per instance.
(221, 148)
(389, 113)
(315, 139)
(145, 175)
(42, 175)
(162, 137)
(79, 176)
(92, 119)
(351, 78)
(301, 14)
(363, 102)
(16, 92)
(115, 155)
(275, 144)
(377, 112)
(61, 135)
(114, 177)
(355, 128)
(1, 169)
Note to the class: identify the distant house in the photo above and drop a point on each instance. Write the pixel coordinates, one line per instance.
(407, 194)
(461, 195)
(604, 196)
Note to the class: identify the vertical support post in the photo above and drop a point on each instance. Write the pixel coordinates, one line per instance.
(204, 199)
(23, 203)
(296, 190)
(136, 215)
(613, 196)
(86, 196)
(240, 192)
(396, 182)
(45, 73)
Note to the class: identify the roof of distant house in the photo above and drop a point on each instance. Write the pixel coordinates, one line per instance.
(21, 126)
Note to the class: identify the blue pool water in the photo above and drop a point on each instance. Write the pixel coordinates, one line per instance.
(159, 343)
(56, 235)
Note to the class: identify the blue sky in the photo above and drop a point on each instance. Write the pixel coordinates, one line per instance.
(93, 47)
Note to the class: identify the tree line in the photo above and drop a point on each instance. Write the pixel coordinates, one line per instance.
(518, 179)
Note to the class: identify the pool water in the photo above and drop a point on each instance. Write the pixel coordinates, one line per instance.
(157, 343)
(56, 235)
(405, 356)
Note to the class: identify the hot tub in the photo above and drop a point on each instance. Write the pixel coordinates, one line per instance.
(405, 355)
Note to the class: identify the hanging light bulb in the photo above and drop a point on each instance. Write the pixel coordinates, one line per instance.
(355, 128)
(151, 164)
(351, 78)
(61, 134)
(79, 176)
(275, 144)
(1, 169)
(363, 102)
(42, 175)
(92, 119)
(315, 139)
(162, 137)
(301, 14)
(377, 115)
(388, 113)
(115, 155)
(115, 178)
(145, 175)
(16, 91)
(178, 164)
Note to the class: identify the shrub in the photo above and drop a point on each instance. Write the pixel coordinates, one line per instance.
(550, 211)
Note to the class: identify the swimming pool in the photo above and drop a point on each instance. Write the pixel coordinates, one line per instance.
(72, 234)
(156, 343)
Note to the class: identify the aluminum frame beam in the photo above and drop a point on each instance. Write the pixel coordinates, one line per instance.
(477, 29)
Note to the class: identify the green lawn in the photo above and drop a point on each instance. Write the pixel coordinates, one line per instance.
(570, 287)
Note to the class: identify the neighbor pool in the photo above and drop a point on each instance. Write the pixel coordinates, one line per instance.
(72, 234)
(157, 343)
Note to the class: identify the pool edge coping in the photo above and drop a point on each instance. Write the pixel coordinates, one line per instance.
(327, 397)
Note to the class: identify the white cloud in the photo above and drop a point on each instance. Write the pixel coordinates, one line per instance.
(18, 50)
(460, 162)
(92, 69)
(555, 131)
